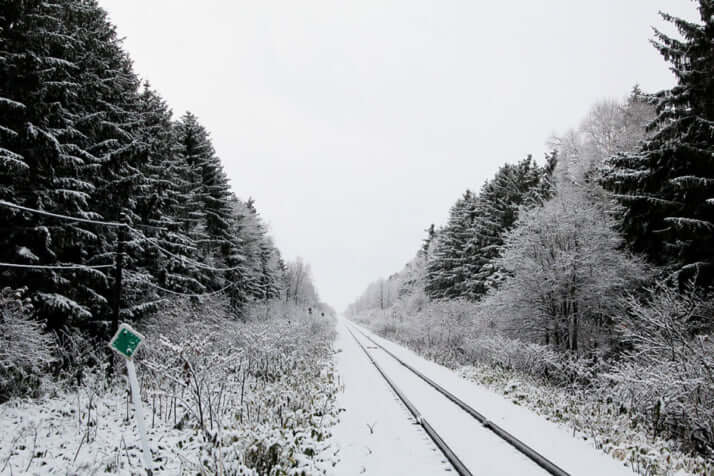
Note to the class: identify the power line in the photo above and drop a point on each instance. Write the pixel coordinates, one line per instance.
(212, 293)
(125, 225)
(63, 217)
(41, 266)
(71, 218)
(187, 259)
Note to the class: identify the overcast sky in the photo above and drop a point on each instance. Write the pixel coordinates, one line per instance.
(354, 125)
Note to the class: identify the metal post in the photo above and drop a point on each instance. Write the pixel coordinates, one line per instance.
(116, 304)
(138, 413)
(117, 281)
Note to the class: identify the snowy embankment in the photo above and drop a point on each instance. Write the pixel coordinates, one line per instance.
(219, 396)
(478, 447)
(599, 422)
(376, 433)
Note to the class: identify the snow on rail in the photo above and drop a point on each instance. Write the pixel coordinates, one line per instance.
(539, 459)
(574, 451)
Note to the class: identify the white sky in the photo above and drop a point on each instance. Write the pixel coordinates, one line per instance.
(355, 125)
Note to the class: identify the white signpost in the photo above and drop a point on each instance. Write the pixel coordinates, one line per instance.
(126, 342)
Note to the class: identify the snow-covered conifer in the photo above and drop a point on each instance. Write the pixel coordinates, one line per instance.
(667, 187)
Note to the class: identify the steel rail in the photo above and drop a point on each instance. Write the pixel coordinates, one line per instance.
(536, 457)
(438, 441)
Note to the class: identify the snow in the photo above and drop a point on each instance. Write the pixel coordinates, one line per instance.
(396, 444)
(7, 102)
(26, 253)
(81, 433)
(12, 160)
(571, 452)
(63, 303)
(283, 367)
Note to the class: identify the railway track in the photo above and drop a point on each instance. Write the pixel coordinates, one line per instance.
(540, 461)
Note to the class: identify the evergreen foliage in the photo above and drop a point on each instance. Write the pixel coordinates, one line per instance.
(81, 137)
(462, 262)
(524, 184)
(446, 272)
(667, 187)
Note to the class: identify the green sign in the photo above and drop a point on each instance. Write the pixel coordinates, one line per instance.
(126, 341)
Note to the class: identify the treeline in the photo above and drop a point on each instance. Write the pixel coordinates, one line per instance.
(96, 174)
(603, 253)
(551, 227)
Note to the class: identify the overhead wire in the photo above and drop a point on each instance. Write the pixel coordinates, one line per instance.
(197, 264)
(151, 240)
(211, 293)
(63, 217)
(41, 266)
(78, 219)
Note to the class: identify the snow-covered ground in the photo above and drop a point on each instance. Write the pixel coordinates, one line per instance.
(265, 388)
(376, 433)
(481, 452)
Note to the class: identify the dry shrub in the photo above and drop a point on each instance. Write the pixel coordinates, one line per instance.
(26, 352)
(668, 374)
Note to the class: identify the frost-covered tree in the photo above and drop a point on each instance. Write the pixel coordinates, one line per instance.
(300, 288)
(261, 274)
(162, 203)
(266, 260)
(666, 373)
(461, 265)
(565, 272)
(115, 128)
(524, 184)
(667, 187)
(610, 127)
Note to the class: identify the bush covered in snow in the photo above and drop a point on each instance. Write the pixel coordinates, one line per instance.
(611, 427)
(438, 329)
(651, 403)
(25, 350)
(667, 376)
(220, 396)
(259, 394)
(458, 332)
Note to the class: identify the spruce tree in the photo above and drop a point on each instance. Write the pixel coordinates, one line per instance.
(264, 257)
(161, 204)
(446, 271)
(45, 160)
(513, 186)
(667, 187)
(210, 189)
(79, 138)
(426, 243)
(112, 128)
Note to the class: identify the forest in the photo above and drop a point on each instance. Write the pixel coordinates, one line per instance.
(588, 273)
(114, 210)
(579, 284)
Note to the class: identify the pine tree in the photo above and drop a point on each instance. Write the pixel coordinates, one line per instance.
(667, 187)
(112, 131)
(426, 243)
(79, 138)
(210, 189)
(45, 159)
(513, 186)
(266, 270)
(162, 203)
(446, 270)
